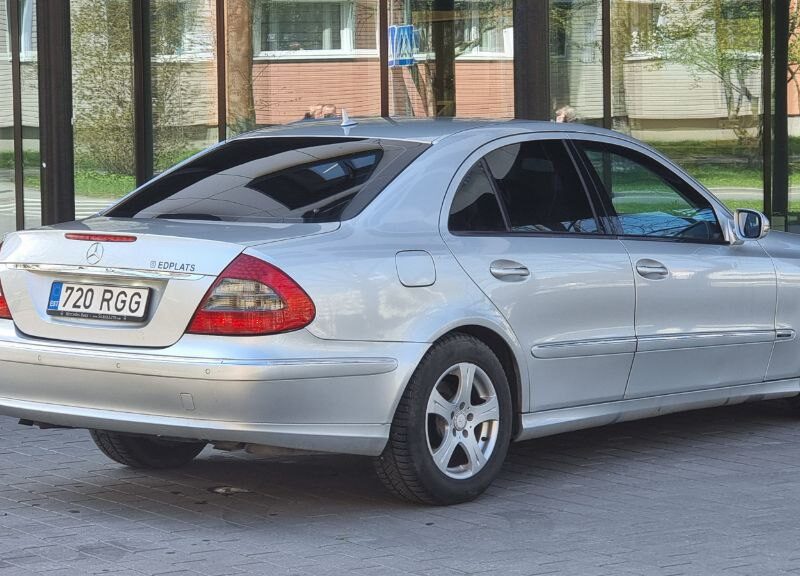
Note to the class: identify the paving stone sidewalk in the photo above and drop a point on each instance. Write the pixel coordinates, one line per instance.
(709, 492)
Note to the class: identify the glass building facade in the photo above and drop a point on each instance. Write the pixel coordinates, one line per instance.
(97, 96)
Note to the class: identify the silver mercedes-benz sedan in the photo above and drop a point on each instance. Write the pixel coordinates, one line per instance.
(424, 292)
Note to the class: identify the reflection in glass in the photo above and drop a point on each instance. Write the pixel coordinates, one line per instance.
(576, 64)
(293, 60)
(29, 79)
(272, 180)
(687, 79)
(540, 189)
(452, 58)
(7, 203)
(307, 26)
(184, 81)
(793, 104)
(102, 95)
(647, 201)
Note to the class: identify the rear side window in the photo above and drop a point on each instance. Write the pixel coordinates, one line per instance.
(540, 187)
(274, 179)
(475, 207)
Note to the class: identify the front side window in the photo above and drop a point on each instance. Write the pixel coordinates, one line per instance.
(646, 199)
(541, 189)
(272, 180)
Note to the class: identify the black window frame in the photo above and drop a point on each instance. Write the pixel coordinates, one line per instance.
(588, 190)
(610, 218)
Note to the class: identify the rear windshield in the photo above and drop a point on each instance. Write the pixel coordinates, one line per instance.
(274, 180)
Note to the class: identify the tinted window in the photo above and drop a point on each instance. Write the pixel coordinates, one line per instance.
(272, 180)
(647, 199)
(541, 190)
(475, 207)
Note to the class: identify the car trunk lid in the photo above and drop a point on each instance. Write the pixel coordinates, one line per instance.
(174, 261)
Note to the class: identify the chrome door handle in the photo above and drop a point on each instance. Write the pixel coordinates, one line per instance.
(651, 269)
(509, 270)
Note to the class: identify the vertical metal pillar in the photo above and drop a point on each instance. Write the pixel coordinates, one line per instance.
(532, 59)
(222, 78)
(767, 119)
(142, 90)
(608, 121)
(55, 111)
(383, 54)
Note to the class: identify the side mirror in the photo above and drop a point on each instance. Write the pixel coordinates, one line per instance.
(750, 224)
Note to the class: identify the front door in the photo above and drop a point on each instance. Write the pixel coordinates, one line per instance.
(705, 309)
(524, 227)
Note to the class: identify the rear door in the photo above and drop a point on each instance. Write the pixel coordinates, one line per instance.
(520, 221)
(705, 309)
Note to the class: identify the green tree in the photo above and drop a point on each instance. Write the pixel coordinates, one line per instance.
(722, 39)
(102, 69)
(793, 76)
(102, 44)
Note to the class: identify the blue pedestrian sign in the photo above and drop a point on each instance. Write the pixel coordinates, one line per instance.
(401, 45)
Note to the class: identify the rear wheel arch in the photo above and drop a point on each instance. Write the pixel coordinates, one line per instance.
(505, 350)
(502, 349)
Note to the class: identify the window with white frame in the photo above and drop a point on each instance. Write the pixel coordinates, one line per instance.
(488, 28)
(483, 29)
(304, 28)
(27, 21)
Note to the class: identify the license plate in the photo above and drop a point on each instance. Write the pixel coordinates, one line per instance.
(92, 301)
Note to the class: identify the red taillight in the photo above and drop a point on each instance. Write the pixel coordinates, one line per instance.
(252, 298)
(100, 237)
(5, 313)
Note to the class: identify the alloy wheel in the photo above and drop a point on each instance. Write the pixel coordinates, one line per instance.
(463, 421)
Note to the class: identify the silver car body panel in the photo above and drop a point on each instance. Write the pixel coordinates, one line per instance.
(548, 422)
(387, 283)
(257, 390)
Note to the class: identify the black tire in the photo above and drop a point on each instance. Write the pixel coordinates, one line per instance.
(406, 466)
(145, 451)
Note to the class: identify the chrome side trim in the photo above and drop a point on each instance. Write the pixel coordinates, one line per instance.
(548, 422)
(599, 347)
(104, 271)
(701, 339)
(192, 368)
(627, 345)
(366, 439)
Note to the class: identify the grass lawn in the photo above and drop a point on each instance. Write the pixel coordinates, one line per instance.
(93, 184)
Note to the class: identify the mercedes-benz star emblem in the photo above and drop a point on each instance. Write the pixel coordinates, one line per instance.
(95, 253)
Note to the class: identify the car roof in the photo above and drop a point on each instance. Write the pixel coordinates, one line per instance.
(428, 130)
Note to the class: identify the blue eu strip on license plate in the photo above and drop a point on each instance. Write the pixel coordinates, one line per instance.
(55, 296)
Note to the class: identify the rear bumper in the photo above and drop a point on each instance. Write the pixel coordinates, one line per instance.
(292, 390)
